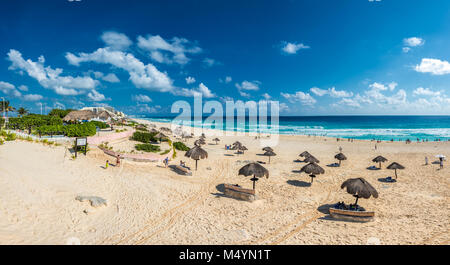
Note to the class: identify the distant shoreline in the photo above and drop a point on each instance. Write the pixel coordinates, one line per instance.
(342, 138)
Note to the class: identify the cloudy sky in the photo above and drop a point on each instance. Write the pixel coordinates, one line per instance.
(322, 57)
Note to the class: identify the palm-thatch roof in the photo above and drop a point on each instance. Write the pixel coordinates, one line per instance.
(199, 142)
(360, 188)
(379, 159)
(267, 148)
(305, 154)
(312, 168)
(216, 140)
(237, 143)
(340, 157)
(395, 165)
(196, 153)
(269, 153)
(104, 115)
(79, 115)
(311, 159)
(160, 135)
(254, 169)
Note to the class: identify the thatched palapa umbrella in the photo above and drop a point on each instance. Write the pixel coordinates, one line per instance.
(267, 148)
(359, 188)
(340, 157)
(379, 159)
(269, 154)
(242, 148)
(395, 166)
(311, 159)
(79, 115)
(312, 169)
(255, 170)
(199, 142)
(196, 153)
(305, 154)
(216, 140)
(160, 135)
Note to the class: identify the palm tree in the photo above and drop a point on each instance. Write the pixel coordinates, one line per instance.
(4, 106)
(22, 111)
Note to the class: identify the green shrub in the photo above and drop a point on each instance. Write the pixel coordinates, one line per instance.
(147, 148)
(71, 130)
(100, 124)
(10, 137)
(60, 112)
(180, 146)
(144, 137)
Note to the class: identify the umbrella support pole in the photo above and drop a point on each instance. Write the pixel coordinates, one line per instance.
(196, 165)
(395, 173)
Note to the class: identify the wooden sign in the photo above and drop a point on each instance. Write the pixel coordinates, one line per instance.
(80, 141)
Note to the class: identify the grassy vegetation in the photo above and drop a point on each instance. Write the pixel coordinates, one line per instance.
(147, 148)
(144, 137)
(180, 146)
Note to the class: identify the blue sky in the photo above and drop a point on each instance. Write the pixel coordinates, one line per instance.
(322, 57)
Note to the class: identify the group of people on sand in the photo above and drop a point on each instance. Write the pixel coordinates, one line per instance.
(441, 162)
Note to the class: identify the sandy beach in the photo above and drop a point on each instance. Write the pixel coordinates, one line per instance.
(150, 204)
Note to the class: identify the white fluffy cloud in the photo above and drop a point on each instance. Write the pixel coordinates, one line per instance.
(9, 89)
(292, 48)
(413, 42)
(208, 62)
(190, 80)
(247, 85)
(116, 41)
(200, 90)
(331, 92)
(50, 78)
(94, 95)
(111, 78)
(23, 88)
(172, 51)
(409, 43)
(299, 96)
(141, 98)
(142, 75)
(32, 97)
(433, 66)
(420, 91)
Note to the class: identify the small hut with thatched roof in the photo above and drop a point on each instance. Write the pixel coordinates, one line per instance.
(269, 154)
(395, 166)
(379, 159)
(359, 188)
(196, 153)
(311, 159)
(267, 148)
(312, 169)
(255, 170)
(305, 154)
(340, 157)
(79, 115)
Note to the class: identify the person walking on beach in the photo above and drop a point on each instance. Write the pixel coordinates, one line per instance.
(426, 161)
(441, 162)
(107, 164)
(118, 160)
(166, 162)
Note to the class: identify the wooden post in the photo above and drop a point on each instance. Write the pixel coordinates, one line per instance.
(76, 146)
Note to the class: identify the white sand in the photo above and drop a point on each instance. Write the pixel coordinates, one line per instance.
(148, 204)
